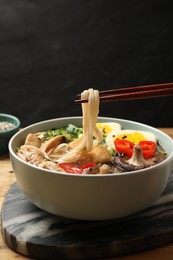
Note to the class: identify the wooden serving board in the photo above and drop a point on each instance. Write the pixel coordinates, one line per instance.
(35, 233)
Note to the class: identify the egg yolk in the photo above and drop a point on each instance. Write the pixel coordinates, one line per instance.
(135, 137)
(104, 128)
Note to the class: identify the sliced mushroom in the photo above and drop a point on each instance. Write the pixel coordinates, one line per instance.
(136, 162)
(53, 143)
(33, 139)
(137, 158)
(123, 165)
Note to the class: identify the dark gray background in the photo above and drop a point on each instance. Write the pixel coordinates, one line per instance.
(52, 50)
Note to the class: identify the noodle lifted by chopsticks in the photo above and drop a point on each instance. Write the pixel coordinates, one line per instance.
(90, 112)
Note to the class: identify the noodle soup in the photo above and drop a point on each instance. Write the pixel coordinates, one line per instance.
(93, 148)
(119, 151)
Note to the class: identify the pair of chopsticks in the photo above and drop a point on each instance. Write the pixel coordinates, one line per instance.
(138, 92)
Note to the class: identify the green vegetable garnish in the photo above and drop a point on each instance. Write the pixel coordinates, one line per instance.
(70, 131)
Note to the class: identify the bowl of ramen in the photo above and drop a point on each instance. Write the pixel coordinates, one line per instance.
(90, 167)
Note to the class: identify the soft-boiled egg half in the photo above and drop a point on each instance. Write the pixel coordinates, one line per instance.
(134, 136)
(108, 127)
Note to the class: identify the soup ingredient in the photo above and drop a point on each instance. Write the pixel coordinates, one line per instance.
(148, 148)
(76, 168)
(108, 128)
(136, 162)
(104, 169)
(124, 146)
(53, 143)
(31, 154)
(100, 154)
(5, 126)
(136, 136)
(49, 165)
(125, 156)
(71, 131)
(123, 166)
(133, 136)
(137, 158)
(127, 147)
(33, 139)
(70, 167)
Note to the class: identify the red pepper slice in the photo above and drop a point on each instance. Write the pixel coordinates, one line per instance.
(88, 165)
(148, 148)
(124, 146)
(75, 168)
(70, 167)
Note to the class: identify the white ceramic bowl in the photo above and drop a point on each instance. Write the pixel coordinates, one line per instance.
(91, 197)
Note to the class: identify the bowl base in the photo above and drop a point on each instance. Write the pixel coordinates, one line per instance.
(50, 236)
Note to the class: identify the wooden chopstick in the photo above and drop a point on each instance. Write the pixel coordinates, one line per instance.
(138, 92)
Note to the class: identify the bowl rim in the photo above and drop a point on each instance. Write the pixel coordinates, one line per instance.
(9, 116)
(141, 171)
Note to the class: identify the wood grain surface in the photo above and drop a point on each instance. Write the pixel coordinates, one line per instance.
(7, 178)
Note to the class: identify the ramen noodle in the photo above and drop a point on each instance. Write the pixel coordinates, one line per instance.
(90, 112)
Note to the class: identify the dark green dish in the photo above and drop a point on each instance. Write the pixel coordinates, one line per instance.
(6, 134)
